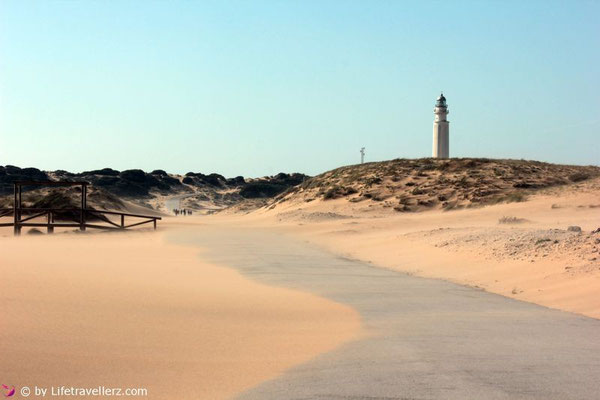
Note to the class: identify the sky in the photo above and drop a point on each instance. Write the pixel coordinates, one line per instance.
(253, 88)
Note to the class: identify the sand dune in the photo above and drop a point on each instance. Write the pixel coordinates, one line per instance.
(521, 249)
(130, 310)
(409, 185)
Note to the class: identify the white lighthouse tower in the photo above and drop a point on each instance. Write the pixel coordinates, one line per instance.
(441, 134)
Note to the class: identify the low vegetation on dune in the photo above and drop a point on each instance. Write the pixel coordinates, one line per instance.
(211, 193)
(403, 185)
(418, 184)
(10, 174)
(272, 186)
(201, 191)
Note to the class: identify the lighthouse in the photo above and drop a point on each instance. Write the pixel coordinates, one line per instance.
(441, 134)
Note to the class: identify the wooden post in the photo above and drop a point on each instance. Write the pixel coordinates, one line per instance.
(154, 223)
(84, 191)
(20, 206)
(50, 222)
(122, 221)
(83, 200)
(17, 227)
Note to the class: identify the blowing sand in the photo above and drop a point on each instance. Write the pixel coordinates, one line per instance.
(130, 310)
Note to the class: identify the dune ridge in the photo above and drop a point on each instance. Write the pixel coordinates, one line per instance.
(409, 185)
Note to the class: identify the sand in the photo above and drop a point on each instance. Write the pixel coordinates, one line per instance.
(133, 310)
(130, 310)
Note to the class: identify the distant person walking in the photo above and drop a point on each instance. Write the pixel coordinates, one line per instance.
(182, 211)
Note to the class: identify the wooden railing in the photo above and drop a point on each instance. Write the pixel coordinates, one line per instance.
(70, 218)
(74, 217)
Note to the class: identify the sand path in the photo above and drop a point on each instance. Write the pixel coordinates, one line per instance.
(174, 202)
(427, 339)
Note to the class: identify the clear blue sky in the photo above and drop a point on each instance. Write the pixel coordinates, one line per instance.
(253, 88)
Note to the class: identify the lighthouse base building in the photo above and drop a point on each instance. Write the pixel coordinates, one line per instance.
(441, 131)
